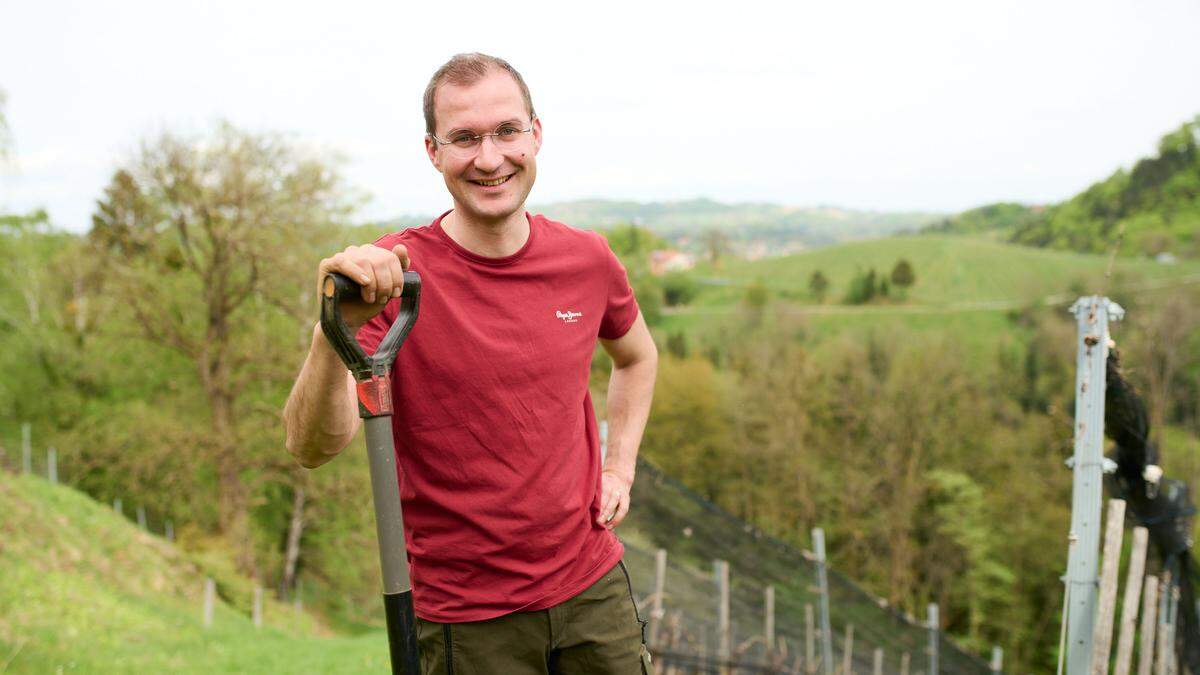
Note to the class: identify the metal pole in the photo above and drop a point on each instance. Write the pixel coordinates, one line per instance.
(52, 464)
(1092, 314)
(818, 536)
(933, 638)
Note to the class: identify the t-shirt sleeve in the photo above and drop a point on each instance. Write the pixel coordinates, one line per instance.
(621, 309)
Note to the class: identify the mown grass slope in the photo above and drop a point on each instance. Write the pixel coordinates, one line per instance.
(83, 590)
(964, 285)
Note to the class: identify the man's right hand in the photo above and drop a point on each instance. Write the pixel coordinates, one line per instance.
(378, 271)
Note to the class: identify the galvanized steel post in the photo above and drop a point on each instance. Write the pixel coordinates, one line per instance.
(1092, 314)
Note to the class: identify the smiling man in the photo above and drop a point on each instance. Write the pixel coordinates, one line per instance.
(509, 508)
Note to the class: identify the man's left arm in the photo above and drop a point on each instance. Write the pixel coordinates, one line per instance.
(630, 389)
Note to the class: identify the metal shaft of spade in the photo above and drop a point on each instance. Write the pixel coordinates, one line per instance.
(373, 375)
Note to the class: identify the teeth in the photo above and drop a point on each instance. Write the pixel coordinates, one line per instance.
(490, 183)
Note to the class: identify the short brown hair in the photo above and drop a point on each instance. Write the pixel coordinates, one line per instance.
(467, 69)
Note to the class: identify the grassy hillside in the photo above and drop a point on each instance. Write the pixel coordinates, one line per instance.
(963, 284)
(84, 590)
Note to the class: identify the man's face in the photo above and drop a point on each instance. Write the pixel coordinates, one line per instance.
(480, 108)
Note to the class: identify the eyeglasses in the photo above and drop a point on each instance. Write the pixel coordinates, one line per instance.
(465, 143)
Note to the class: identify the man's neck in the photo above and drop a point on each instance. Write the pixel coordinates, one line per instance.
(491, 239)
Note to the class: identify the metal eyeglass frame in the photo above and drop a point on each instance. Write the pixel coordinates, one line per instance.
(477, 139)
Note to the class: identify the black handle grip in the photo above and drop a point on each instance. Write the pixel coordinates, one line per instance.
(334, 289)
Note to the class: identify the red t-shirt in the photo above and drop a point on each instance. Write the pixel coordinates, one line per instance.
(496, 437)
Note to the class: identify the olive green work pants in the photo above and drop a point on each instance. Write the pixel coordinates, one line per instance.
(598, 632)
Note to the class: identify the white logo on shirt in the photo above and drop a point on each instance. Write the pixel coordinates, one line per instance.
(568, 316)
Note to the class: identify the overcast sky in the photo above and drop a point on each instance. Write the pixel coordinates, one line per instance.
(919, 105)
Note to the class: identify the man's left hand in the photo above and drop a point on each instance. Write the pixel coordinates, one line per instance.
(614, 498)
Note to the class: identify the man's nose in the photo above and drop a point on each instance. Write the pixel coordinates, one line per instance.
(489, 158)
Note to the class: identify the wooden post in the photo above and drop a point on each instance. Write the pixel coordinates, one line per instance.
(721, 574)
(1109, 568)
(877, 668)
(769, 618)
(258, 606)
(660, 585)
(997, 660)
(904, 658)
(818, 536)
(298, 601)
(810, 652)
(117, 507)
(141, 517)
(210, 599)
(1149, 623)
(26, 448)
(169, 531)
(1163, 630)
(1129, 607)
(52, 464)
(848, 651)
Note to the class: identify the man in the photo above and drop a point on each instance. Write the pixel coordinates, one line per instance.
(508, 507)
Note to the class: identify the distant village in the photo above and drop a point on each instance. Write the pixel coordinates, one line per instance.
(679, 259)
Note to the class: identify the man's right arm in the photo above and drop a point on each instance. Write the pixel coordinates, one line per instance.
(321, 414)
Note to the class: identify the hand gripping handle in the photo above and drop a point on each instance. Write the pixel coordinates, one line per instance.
(371, 372)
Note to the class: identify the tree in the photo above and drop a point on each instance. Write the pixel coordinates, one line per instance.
(679, 288)
(716, 245)
(818, 285)
(902, 275)
(863, 288)
(209, 245)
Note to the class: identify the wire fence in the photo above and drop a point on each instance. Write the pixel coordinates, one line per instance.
(687, 635)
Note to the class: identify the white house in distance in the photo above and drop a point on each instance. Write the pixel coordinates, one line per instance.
(670, 260)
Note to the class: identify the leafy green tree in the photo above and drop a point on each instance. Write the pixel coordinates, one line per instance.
(208, 243)
(902, 275)
(679, 288)
(818, 285)
(677, 345)
(863, 288)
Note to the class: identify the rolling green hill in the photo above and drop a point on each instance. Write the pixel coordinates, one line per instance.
(965, 286)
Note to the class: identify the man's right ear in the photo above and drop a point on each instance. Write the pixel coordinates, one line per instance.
(431, 149)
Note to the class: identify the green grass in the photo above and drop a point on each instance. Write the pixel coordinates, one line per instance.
(949, 269)
(965, 287)
(83, 590)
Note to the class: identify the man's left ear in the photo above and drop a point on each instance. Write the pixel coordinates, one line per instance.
(537, 134)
